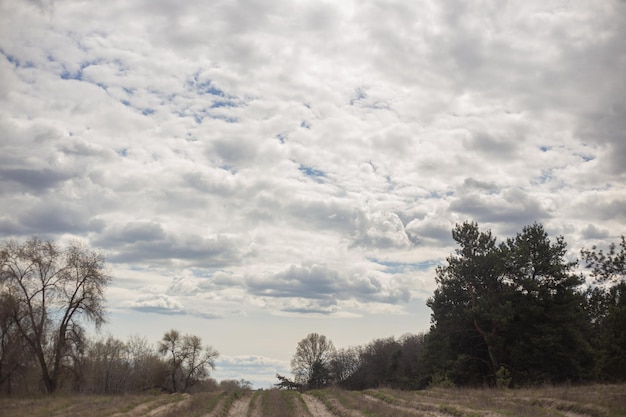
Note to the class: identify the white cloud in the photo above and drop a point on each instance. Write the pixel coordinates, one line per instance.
(305, 159)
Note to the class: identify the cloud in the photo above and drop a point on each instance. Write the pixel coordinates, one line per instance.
(260, 370)
(318, 289)
(381, 230)
(137, 243)
(35, 180)
(512, 206)
(157, 303)
(305, 159)
(594, 232)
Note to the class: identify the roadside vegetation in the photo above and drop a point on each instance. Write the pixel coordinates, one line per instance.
(550, 401)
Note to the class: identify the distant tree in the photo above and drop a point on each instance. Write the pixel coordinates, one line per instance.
(310, 363)
(607, 309)
(188, 361)
(13, 355)
(54, 290)
(410, 369)
(607, 267)
(388, 362)
(146, 368)
(109, 366)
(344, 363)
(287, 383)
(233, 385)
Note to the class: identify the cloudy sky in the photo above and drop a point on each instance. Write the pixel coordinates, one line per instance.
(257, 170)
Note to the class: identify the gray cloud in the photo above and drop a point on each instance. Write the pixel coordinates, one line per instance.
(320, 288)
(265, 152)
(34, 180)
(139, 242)
(157, 303)
(512, 206)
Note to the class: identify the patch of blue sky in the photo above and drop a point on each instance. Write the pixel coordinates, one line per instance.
(15, 61)
(147, 112)
(122, 152)
(305, 124)
(204, 87)
(225, 118)
(359, 94)
(229, 168)
(136, 268)
(158, 310)
(282, 137)
(399, 267)
(201, 273)
(546, 176)
(224, 103)
(545, 148)
(311, 172)
(214, 91)
(69, 75)
(586, 158)
(437, 194)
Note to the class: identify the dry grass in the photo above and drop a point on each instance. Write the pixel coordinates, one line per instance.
(279, 403)
(587, 401)
(70, 406)
(549, 401)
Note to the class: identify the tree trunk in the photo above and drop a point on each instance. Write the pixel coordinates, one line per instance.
(487, 337)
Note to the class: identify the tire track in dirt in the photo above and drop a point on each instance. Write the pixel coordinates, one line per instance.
(566, 408)
(166, 408)
(146, 408)
(255, 406)
(406, 409)
(423, 409)
(316, 407)
(240, 407)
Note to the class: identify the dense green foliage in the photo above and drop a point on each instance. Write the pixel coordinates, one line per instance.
(514, 313)
(516, 306)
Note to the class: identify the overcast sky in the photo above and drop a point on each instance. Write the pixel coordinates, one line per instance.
(258, 170)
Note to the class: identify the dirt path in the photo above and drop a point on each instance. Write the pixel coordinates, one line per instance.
(255, 406)
(146, 408)
(316, 407)
(430, 412)
(166, 408)
(240, 407)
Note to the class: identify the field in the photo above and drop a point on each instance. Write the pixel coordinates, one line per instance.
(585, 401)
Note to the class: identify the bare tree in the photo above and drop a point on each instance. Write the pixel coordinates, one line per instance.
(12, 349)
(146, 368)
(310, 364)
(344, 363)
(189, 361)
(109, 366)
(53, 290)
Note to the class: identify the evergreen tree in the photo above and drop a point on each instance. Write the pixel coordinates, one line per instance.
(607, 309)
(512, 308)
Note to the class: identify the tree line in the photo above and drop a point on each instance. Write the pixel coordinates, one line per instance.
(47, 296)
(508, 314)
(514, 313)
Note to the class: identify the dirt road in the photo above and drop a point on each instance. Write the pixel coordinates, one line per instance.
(316, 407)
